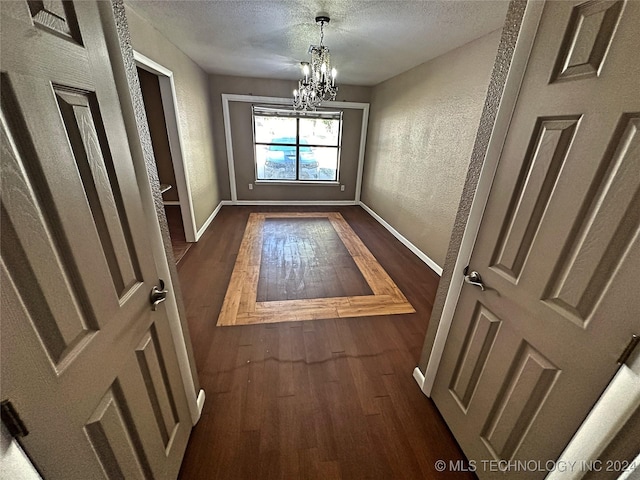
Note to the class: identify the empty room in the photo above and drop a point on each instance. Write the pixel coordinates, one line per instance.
(254, 239)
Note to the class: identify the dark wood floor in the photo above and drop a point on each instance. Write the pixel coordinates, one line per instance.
(304, 258)
(179, 243)
(322, 399)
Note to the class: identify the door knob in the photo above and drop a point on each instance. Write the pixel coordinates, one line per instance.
(158, 295)
(473, 278)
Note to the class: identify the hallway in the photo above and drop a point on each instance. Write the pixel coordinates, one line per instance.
(320, 399)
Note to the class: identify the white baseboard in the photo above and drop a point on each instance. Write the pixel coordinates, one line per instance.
(419, 378)
(419, 253)
(200, 401)
(335, 203)
(292, 203)
(206, 224)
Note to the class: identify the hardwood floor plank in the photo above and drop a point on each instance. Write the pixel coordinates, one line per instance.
(306, 434)
(335, 342)
(356, 374)
(353, 445)
(270, 426)
(248, 466)
(391, 309)
(311, 467)
(312, 303)
(385, 432)
(255, 388)
(179, 244)
(232, 302)
(222, 368)
(286, 385)
(249, 292)
(318, 354)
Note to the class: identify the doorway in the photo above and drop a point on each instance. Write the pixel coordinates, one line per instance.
(158, 91)
(150, 87)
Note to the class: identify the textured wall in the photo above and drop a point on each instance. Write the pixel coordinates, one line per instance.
(421, 130)
(501, 66)
(194, 111)
(150, 87)
(268, 88)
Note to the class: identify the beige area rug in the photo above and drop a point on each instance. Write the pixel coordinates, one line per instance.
(241, 307)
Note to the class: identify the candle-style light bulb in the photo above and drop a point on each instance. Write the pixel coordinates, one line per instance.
(334, 72)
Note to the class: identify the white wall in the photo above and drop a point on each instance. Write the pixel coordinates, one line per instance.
(608, 419)
(14, 464)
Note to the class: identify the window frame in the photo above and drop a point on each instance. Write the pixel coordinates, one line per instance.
(284, 112)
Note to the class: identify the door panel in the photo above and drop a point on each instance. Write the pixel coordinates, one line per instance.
(79, 111)
(111, 435)
(545, 158)
(558, 247)
(606, 232)
(84, 359)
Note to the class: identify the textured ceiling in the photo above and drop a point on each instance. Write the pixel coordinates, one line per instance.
(370, 40)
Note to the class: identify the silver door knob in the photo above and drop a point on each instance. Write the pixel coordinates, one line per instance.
(158, 295)
(473, 278)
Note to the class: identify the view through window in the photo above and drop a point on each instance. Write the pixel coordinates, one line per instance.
(296, 146)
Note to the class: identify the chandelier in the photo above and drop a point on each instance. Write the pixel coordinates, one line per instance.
(318, 82)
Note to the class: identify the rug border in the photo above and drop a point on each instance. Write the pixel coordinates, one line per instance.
(240, 306)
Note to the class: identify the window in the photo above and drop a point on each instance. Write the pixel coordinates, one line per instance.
(296, 146)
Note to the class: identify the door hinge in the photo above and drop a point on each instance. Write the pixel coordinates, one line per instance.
(631, 346)
(12, 420)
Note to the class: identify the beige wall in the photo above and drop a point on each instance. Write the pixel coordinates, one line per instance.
(240, 115)
(422, 127)
(194, 111)
(150, 87)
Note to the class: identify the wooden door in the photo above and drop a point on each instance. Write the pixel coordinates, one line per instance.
(558, 247)
(90, 368)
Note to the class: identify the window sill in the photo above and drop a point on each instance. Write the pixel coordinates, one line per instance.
(298, 182)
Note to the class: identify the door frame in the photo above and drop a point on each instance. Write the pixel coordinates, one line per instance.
(170, 108)
(521, 54)
(128, 88)
(148, 193)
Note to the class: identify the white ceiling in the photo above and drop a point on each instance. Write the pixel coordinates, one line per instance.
(370, 40)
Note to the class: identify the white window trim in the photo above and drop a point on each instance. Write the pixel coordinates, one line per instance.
(226, 98)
